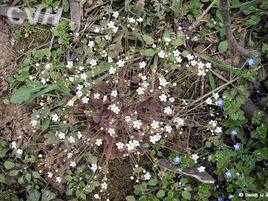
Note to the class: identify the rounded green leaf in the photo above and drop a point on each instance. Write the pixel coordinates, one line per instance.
(223, 46)
(9, 165)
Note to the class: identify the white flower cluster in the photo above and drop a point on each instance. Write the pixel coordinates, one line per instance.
(203, 68)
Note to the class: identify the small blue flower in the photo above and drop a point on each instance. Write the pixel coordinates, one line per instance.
(220, 198)
(251, 61)
(229, 175)
(220, 102)
(237, 146)
(233, 132)
(230, 197)
(176, 160)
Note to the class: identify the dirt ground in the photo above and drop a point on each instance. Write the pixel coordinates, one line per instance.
(14, 120)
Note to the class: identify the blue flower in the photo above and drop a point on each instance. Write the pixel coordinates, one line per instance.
(220, 102)
(237, 146)
(176, 160)
(220, 198)
(233, 132)
(251, 61)
(229, 175)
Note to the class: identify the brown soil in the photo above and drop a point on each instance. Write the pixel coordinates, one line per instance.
(14, 120)
(120, 184)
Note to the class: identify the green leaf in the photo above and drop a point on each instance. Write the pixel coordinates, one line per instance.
(149, 53)
(24, 94)
(36, 175)
(148, 39)
(178, 42)
(186, 195)
(153, 182)
(160, 194)
(9, 165)
(211, 81)
(65, 5)
(13, 173)
(47, 195)
(2, 178)
(130, 198)
(223, 46)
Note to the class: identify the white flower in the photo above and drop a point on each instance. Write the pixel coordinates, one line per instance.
(110, 59)
(58, 180)
(127, 119)
(179, 121)
(213, 123)
(155, 124)
(218, 129)
(120, 145)
(114, 93)
(96, 196)
(155, 138)
(176, 53)
(216, 96)
(94, 167)
(85, 100)
(104, 185)
(49, 174)
(69, 64)
(96, 95)
(99, 142)
(131, 20)
(83, 76)
(114, 108)
(140, 90)
(33, 123)
(163, 98)
(112, 70)
(195, 157)
(208, 65)
(120, 63)
(168, 128)
(140, 19)
(115, 14)
(190, 57)
(71, 139)
(115, 29)
(167, 39)
(168, 110)
(147, 176)
(79, 135)
(142, 64)
(70, 155)
(62, 135)
(19, 151)
(93, 62)
(171, 99)
(13, 145)
(132, 145)
(70, 103)
(201, 169)
(111, 131)
(137, 124)
(79, 94)
(55, 117)
(162, 54)
(73, 164)
(209, 101)
(97, 30)
(162, 81)
(43, 81)
(179, 59)
(110, 24)
(91, 44)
